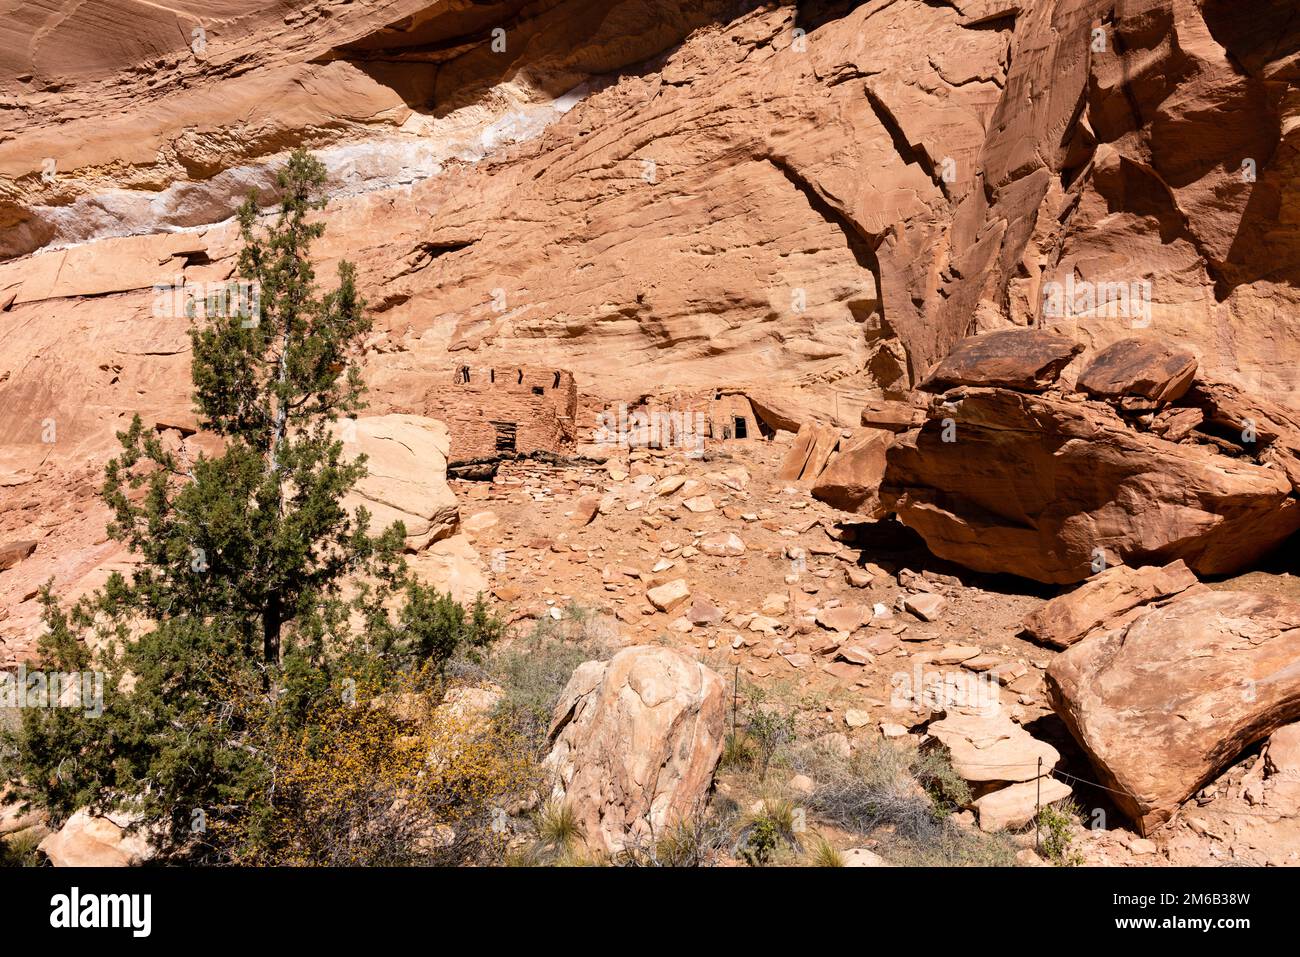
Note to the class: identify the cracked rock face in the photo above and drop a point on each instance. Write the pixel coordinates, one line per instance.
(812, 205)
(634, 742)
(1055, 489)
(1165, 700)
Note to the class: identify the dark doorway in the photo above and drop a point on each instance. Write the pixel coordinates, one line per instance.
(505, 436)
(742, 429)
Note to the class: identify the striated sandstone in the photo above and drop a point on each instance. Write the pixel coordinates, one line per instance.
(1165, 701)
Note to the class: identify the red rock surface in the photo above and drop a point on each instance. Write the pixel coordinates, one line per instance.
(811, 207)
(1056, 490)
(1167, 700)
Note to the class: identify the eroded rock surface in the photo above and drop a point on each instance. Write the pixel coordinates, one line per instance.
(1053, 489)
(1166, 700)
(634, 743)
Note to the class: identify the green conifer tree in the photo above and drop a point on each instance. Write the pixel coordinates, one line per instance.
(256, 590)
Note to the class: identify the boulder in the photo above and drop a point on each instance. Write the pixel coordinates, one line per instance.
(851, 480)
(585, 509)
(861, 857)
(1168, 699)
(1283, 753)
(925, 605)
(1017, 804)
(451, 565)
(1102, 599)
(669, 595)
(704, 614)
(723, 545)
(842, 617)
(989, 746)
(1029, 359)
(811, 451)
(93, 840)
(892, 415)
(634, 743)
(13, 819)
(406, 462)
(11, 553)
(1146, 368)
(1274, 431)
(1044, 488)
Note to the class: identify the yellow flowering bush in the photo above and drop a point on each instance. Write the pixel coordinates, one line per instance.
(393, 780)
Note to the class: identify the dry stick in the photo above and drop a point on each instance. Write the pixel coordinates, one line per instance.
(735, 699)
(1038, 806)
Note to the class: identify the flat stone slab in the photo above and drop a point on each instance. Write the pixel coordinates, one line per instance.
(992, 747)
(1102, 599)
(1146, 368)
(1165, 701)
(1027, 359)
(1016, 804)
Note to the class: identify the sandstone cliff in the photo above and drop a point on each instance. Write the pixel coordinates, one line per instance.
(814, 201)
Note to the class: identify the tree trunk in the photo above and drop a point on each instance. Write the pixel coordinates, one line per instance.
(271, 622)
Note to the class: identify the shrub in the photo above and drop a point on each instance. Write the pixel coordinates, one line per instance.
(824, 854)
(557, 826)
(773, 826)
(769, 728)
(388, 780)
(902, 795)
(697, 841)
(1056, 833)
(534, 670)
(19, 850)
(737, 752)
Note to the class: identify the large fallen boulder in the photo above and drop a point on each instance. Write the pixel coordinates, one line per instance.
(812, 449)
(94, 840)
(1171, 697)
(1142, 368)
(634, 743)
(406, 480)
(851, 480)
(1055, 488)
(1029, 359)
(1102, 599)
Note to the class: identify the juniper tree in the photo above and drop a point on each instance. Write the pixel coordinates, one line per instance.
(254, 584)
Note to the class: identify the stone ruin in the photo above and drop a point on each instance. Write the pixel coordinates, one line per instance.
(679, 420)
(505, 411)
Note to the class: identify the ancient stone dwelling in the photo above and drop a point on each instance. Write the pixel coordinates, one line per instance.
(493, 411)
(679, 420)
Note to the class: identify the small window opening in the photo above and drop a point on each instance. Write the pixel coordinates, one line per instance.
(505, 436)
